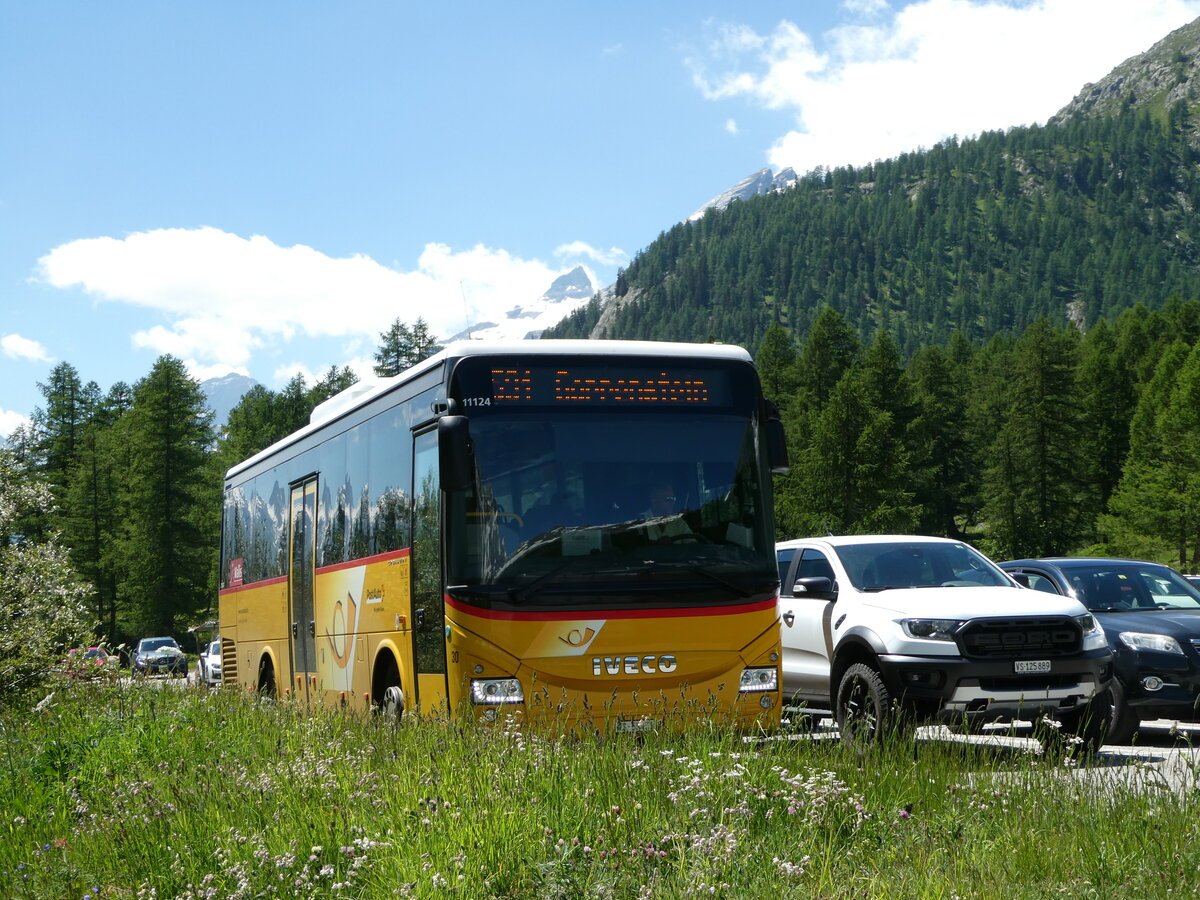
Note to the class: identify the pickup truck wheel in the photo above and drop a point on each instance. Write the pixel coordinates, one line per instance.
(1125, 722)
(864, 706)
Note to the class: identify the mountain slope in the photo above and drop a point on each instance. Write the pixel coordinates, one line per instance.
(1156, 80)
(1073, 221)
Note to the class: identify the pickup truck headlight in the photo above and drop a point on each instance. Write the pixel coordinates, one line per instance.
(760, 678)
(931, 629)
(1137, 640)
(494, 691)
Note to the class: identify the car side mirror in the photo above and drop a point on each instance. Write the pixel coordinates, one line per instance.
(1020, 578)
(817, 586)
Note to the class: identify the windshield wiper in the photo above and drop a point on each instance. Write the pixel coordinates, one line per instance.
(711, 576)
(523, 593)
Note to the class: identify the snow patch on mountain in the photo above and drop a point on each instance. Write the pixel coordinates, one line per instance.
(761, 182)
(566, 294)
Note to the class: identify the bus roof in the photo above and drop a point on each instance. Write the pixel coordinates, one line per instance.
(362, 393)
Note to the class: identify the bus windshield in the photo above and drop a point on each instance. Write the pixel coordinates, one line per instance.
(603, 507)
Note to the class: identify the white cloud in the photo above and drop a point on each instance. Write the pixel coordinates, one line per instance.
(866, 7)
(731, 126)
(224, 298)
(285, 373)
(9, 422)
(614, 256)
(904, 80)
(17, 347)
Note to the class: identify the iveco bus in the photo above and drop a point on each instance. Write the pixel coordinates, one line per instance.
(569, 530)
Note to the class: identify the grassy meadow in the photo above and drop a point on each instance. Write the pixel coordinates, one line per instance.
(118, 790)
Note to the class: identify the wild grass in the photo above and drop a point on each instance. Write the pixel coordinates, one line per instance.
(118, 790)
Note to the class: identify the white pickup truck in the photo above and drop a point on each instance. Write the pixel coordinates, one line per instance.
(884, 631)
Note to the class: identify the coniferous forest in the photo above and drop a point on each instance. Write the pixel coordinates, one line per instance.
(1070, 222)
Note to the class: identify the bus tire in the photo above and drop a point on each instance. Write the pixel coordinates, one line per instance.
(387, 690)
(392, 703)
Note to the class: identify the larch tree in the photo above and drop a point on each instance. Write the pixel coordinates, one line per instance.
(404, 346)
(167, 549)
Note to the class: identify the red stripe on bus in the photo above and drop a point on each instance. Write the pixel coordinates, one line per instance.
(254, 584)
(366, 560)
(612, 613)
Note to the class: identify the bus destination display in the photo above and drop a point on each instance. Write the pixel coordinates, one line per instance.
(590, 385)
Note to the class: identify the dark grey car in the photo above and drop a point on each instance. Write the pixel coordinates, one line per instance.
(159, 656)
(1151, 616)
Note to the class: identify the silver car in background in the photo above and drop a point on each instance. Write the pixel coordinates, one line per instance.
(209, 667)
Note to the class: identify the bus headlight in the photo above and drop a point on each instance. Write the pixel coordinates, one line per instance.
(760, 678)
(493, 691)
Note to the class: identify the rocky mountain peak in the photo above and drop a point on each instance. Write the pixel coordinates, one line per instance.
(1165, 74)
(761, 182)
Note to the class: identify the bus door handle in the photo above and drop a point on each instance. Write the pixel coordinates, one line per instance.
(312, 628)
(788, 618)
(419, 618)
(295, 630)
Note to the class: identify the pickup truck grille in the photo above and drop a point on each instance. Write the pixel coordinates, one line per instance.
(1020, 637)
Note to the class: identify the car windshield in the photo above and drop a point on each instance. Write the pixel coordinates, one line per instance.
(888, 565)
(1131, 586)
(214, 649)
(148, 645)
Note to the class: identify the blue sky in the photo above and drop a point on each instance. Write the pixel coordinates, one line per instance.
(264, 187)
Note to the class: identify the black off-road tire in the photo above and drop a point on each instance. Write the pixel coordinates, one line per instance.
(864, 710)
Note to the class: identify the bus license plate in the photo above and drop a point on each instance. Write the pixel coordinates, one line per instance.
(1031, 666)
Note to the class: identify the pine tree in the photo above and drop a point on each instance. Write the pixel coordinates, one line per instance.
(829, 350)
(168, 548)
(403, 346)
(942, 464)
(853, 476)
(776, 362)
(1150, 506)
(1036, 481)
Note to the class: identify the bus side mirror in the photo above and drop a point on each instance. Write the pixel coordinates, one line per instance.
(777, 452)
(454, 453)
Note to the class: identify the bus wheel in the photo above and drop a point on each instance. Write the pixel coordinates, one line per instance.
(388, 694)
(266, 680)
(392, 704)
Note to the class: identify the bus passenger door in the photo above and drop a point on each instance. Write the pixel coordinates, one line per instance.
(428, 606)
(301, 558)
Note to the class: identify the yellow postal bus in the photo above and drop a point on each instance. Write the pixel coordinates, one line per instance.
(568, 530)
